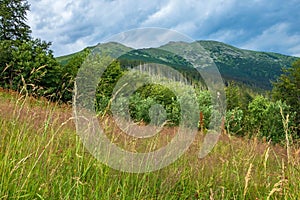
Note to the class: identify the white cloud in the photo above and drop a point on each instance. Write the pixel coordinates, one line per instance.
(276, 37)
(227, 35)
(189, 16)
(295, 50)
(74, 24)
(148, 37)
(56, 21)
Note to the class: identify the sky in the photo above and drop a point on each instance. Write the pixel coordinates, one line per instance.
(263, 25)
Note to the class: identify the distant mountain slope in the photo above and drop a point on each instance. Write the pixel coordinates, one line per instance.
(256, 69)
(250, 67)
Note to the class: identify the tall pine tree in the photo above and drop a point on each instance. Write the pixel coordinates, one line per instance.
(25, 63)
(287, 88)
(13, 31)
(13, 18)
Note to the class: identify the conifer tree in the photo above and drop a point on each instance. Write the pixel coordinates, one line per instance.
(287, 88)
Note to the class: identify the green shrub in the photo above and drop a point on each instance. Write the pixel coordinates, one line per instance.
(234, 121)
(205, 106)
(265, 120)
(139, 108)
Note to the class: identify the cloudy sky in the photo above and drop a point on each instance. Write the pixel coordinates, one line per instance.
(265, 25)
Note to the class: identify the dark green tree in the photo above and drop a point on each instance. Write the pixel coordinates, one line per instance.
(25, 63)
(32, 67)
(106, 85)
(13, 18)
(287, 88)
(68, 74)
(237, 96)
(232, 96)
(13, 28)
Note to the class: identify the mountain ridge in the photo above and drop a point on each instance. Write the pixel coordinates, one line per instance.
(252, 68)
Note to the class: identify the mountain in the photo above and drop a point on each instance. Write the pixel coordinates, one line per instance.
(252, 68)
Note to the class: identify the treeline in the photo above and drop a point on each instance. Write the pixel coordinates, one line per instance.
(271, 117)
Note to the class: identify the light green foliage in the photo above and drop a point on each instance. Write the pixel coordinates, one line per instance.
(234, 121)
(173, 111)
(177, 101)
(265, 120)
(232, 96)
(162, 95)
(139, 108)
(256, 112)
(205, 106)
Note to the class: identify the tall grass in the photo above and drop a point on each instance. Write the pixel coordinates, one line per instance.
(41, 157)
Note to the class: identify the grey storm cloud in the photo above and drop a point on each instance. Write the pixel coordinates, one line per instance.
(263, 25)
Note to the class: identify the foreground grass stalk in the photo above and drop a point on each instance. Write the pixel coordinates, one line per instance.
(285, 121)
(247, 179)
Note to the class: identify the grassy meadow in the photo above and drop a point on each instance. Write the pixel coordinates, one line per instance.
(41, 157)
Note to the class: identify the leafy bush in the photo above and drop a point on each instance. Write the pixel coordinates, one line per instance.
(234, 121)
(139, 108)
(205, 106)
(153, 99)
(265, 120)
(155, 103)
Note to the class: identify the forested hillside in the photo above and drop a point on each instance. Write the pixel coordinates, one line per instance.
(251, 68)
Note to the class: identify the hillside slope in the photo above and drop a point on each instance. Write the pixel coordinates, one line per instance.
(252, 68)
